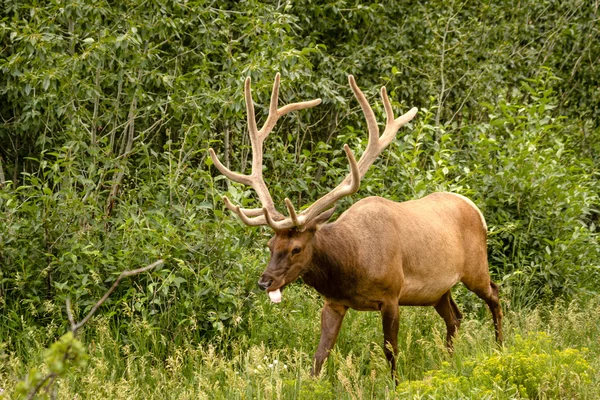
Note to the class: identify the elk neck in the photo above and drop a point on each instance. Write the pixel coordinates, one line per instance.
(332, 271)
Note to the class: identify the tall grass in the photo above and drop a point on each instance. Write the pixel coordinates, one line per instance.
(549, 353)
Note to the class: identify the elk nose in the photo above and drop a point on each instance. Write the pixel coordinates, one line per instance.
(264, 284)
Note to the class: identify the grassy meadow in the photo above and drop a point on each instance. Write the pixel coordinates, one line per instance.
(550, 353)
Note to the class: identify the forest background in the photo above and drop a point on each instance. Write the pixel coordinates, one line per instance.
(107, 112)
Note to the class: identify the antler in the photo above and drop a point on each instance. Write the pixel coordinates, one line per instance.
(257, 216)
(377, 144)
(347, 187)
(358, 170)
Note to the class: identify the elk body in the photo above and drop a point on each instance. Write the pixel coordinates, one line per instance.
(379, 254)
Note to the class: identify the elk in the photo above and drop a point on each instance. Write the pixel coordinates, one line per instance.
(379, 254)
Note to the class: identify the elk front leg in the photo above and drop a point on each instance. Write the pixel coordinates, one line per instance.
(331, 322)
(389, 315)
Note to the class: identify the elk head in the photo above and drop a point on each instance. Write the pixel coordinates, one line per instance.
(291, 254)
(292, 246)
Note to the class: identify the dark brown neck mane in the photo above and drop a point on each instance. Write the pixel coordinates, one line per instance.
(332, 271)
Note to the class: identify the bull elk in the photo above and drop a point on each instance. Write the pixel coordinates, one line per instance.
(379, 254)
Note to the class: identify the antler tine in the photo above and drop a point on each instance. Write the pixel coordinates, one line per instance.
(377, 144)
(275, 113)
(393, 125)
(292, 212)
(249, 212)
(269, 221)
(389, 113)
(369, 116)
(245, 219)
(234, 176)
(250, 117)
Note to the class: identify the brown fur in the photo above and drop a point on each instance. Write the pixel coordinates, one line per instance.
(381, 254)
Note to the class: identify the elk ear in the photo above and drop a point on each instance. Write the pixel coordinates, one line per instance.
(321, 218)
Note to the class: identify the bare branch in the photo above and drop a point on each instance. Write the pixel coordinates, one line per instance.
(112, 289)
(70, 315)
(443, 88)
(51, 377)
(2, 178)
(96, 104)
(118, 176)
(33, 392)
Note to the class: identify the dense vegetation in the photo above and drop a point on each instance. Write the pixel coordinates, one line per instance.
(107, 111)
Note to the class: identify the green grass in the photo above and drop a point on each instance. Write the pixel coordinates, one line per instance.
(550, 353)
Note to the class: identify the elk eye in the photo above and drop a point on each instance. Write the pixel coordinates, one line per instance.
(296, 250)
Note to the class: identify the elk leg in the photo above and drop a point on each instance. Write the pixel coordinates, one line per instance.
(489, 293)
(332, 316)
(448, 310)
(389, 315)
(494, 304)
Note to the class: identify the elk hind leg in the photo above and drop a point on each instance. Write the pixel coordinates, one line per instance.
(390, 319)
(448, 310)
(490, 294)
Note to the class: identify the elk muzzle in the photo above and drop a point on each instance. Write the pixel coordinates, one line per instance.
(264, 282)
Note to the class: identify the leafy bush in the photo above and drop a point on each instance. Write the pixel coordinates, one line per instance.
(531, 369)
(108, 109)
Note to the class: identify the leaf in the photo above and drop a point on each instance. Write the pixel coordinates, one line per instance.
(178, 281)
(205, 205)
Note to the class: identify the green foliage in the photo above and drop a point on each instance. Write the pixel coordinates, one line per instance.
(107, 110)
(541, 196)
(55, 356)
(531, 369)
(551, 353)
(64, 354)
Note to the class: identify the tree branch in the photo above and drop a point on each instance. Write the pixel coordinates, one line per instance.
(37, 387)
(118, 177)
(2, 178)
(124, 274)
(443, 89)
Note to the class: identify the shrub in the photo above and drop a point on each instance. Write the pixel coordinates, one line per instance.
(530, 368)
